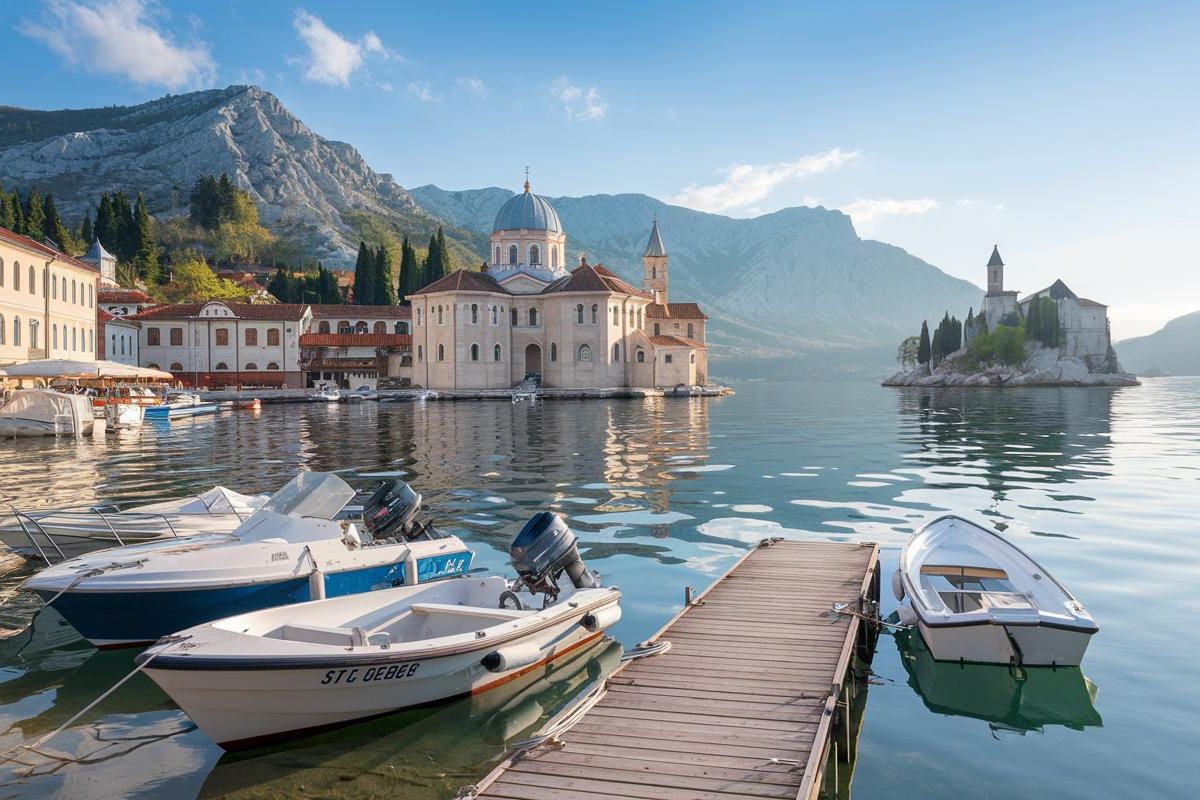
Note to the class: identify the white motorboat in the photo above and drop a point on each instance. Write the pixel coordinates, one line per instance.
(58, 534)
(285, 672)
(121, 416)
(179, 405)
(328, 394)
(978, 598)
(291, 550)
(41, 412)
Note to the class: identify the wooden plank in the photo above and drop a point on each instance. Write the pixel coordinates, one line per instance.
(738, 709)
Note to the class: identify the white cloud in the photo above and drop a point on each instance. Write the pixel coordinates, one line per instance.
(423, 92)
(332, 58)
(577, 102)
(746, 184)
(121, 37)
(867, 212)
(475, 86)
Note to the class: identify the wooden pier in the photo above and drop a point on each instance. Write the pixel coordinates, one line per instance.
(751, 701)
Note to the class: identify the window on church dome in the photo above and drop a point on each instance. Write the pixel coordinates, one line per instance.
(585, 352)
(497, 259)
(595, 313)
(535, 255)
(512, 254)
(579, 313)
(496, 353)
(474, 352)
(495, 316)
(554, 258)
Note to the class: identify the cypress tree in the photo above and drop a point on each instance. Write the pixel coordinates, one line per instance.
(127, 239)
(146, 255)
(35, 217)
(18, 212)
(85, 229)
(105, 228)
(924, 349)
(1033, 320)
(53, 228)
(364, 289)
(408, 271)
(384, 282)
(7, 219)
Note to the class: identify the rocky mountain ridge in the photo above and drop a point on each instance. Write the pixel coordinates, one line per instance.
(1171, 350)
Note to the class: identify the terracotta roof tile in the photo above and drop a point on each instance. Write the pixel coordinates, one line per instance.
(255, 311)
(592, 278)
(133, 296)
(464, 280)
(341, 311)
(675, 341)
(674, 311)
(43, 249)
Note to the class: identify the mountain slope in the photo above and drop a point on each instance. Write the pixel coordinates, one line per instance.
(1173, 349)
(797, 280)
(312, 189)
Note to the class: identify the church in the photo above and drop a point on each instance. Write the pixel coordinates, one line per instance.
(525, 315)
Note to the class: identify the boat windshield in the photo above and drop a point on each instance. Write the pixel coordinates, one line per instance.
(311, 494)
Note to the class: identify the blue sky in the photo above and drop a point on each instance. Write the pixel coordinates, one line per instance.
(1066, 132)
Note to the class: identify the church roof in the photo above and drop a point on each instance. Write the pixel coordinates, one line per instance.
(674, 311)
(675, 341)
(464, 280)
(592, 278)
(254, 311)
(340, 311)
(655, 246)
(527, 211)
(1055, 291)
(96, 253)
(995, 260)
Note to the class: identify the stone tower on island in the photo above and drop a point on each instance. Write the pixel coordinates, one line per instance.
(654, 266)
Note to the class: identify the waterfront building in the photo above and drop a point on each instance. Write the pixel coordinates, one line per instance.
(47, 302)
(117, 338)
(352, 346)
(1083, 323)
(525, 314)
(223, 343)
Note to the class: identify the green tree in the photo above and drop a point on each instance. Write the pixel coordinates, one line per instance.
(364, 273)
(205, 203)
(105, 228)
(18, 211)
(1033, 320)
(35, 217)
(409, 271)
(437, 259)
(283, 287)
(383, 280)
(193, 281)
(924, 348)
(146, 256)
(54, 229)
(7, 218)
(86, 234)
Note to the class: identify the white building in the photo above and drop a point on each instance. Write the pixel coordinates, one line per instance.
(221, 343)
(117, 338)
(123, 302)
(47, 302)
(352, 346)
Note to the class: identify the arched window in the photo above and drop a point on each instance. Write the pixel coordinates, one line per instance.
(17, 332)
(222, 366)
(579, 313)
(252, 337)
(64, 284)
(595, 313)
(641, 355)
(74, 338)
(616, 316)
(155, 366)
(616, 353)
(654, 272)
(474, 352)
(474, 313)
(175, 366)
(535, 255)
(3, 329)
(691, 331)
(91, 341)
(17, 277)
(53, 286)
(272, 337)
(497, 259)
(91, 296)
(639, 319)
(553, 352)
(533, 317)
(33, 331)
(379, 327)
(496, 353)
(512, 254)
(656, 329)
(1, 272)
(420, 352)
(514, 317)
(343, 326)
(272, 365)
(441, 352)
(251, 367)
(74, 293)
(112, 344)
(554, 258)
(360, 326)
(398, 328)
(32, 283)
(495, 315)
(585, 352)
(418, 316)
(440, 318)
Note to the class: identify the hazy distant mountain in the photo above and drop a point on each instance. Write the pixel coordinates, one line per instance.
(797, 280)
(314, 190)
(1175, 349)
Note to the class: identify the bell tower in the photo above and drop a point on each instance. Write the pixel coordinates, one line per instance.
(995, 272)
(654, 266)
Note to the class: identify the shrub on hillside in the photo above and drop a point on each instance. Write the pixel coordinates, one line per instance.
(1005, 345)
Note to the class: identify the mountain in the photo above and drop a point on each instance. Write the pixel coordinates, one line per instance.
(1171, 349)
(318, 192)
(797, 280)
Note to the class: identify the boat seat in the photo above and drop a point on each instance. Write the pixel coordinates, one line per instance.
(951, 571)
(318, 634)
(469, 611)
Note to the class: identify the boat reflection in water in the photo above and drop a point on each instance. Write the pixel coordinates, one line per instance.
(430, 752)
(1007, 698)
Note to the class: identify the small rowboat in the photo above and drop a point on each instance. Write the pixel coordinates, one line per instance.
(978, 598)
(285, 672)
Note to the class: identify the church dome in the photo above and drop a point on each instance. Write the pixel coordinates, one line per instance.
(529, 211)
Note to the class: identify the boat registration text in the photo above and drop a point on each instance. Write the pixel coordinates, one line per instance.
(389, 672)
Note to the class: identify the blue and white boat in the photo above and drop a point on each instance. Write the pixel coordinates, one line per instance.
(291, 550)
(181, 405)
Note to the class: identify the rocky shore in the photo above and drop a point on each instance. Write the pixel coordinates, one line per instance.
(1044, 368)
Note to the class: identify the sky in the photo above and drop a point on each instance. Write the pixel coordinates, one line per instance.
(1066, 132)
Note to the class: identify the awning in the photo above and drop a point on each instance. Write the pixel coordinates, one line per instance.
(71, 368)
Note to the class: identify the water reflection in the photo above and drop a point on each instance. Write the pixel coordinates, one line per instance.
(1008, 699)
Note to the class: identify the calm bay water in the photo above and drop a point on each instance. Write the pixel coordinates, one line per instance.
(1103, 487)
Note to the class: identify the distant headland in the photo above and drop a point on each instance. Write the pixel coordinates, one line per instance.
(1053, 337)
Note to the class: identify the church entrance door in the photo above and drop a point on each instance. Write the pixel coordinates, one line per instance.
(533, 359)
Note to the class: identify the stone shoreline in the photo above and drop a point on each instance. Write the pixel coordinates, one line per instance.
(1009, 379)
(282, 396)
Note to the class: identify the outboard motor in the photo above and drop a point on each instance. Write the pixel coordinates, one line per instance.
(391, 510)
(543, 550)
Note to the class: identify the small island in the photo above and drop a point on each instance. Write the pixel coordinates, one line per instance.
(1053, 337)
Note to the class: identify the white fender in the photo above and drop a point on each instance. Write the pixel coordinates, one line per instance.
(604, 618)
(513, 656)
(907, 615)
(897, 585)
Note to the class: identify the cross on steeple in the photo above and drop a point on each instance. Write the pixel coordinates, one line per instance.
(527, 179)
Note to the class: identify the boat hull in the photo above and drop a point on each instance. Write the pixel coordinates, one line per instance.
(177, 412)
(992, 643)
(246, 708)
(113, 619)
(76, 537)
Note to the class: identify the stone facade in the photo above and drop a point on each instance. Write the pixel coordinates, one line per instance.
(524, 314)
(47, 302)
